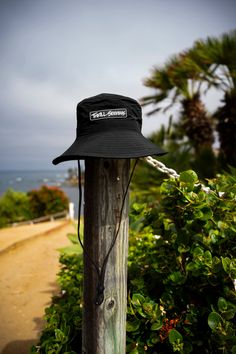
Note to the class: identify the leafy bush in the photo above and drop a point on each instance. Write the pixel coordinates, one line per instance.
(183, 248)
(62, 333)
(47, 200)
(14, 207)
(20, 206)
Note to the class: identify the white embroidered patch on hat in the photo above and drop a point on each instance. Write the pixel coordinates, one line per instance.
(108, 113)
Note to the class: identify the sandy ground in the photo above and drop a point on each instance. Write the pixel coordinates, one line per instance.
(27, 281)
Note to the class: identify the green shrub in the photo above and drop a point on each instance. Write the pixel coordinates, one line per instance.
(14, 207)
(62, 333)
(19, 206)
(183, 248)
(47, 200)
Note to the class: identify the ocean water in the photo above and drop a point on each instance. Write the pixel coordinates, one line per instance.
(25, 181)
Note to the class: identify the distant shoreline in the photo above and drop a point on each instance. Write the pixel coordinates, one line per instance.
(24, 181)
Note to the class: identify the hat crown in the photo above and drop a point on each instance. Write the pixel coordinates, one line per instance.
(109, 126)
(106, 106)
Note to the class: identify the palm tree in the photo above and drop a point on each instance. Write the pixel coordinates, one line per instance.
(227, 128)
(179, 81)
(220, 56)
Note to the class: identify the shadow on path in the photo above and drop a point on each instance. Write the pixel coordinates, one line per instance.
(19, 346)
(24, 346)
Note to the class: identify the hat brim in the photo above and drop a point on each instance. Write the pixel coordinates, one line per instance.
(116, 145)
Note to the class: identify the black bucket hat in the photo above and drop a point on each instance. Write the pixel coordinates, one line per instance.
(109, 126)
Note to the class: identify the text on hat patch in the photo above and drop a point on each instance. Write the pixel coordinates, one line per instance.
(108, 113)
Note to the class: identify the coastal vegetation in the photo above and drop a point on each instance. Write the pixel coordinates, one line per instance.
(180, 87)
(16, 206)
(182, 230)
(183, 247)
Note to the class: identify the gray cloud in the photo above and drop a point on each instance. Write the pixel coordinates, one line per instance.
(55, 53)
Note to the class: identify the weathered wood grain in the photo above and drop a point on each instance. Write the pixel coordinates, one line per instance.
(104, 326)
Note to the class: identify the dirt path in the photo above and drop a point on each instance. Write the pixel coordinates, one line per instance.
(27, 283)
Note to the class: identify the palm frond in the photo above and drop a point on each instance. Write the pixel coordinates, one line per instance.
(158, 109)
(154, 99)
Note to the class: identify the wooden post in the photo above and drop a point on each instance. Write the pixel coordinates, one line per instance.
(104, 326)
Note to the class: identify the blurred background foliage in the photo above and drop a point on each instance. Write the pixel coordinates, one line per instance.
(16, 206)
(193, 137)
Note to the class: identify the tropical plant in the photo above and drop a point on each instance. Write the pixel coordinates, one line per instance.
(185, 77)
(220, 54)
(179, 81)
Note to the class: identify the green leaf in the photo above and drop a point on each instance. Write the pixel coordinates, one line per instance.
(167, 187)
(206, 213)
(222, 225)
(59, 335)
(142, 313)
(198, 252)
(188, 177)
(156, 325)
(137, 300)
(73, 238)
(69, 250)
(148, 307)
(216, 264)
(177, 277)
(214, 235)
(132, 326)
(208, 258)
(232, 272)
(154, 338)
(234, 349)
(226, 263)
(229, 314)
(222, 304)
(174, 336)
(183, 248)
(214, 320)
(135, 351)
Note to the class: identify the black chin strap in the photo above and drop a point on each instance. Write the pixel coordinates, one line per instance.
(101, 272)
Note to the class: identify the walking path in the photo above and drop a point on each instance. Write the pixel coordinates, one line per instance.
(28, 268)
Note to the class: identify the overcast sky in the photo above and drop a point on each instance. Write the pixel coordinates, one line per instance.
(55, 53)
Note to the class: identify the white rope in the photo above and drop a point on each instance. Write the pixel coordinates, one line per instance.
(161, 167)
